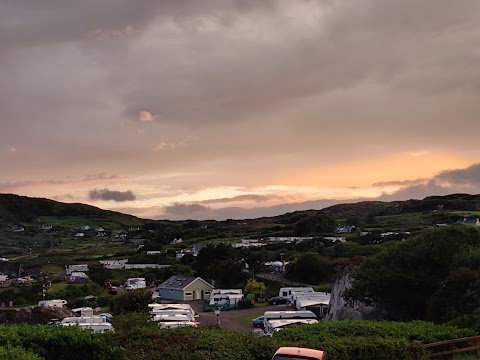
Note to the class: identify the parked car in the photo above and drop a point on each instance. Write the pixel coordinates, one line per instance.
(292, 353)
(258, 322)
(277, 300)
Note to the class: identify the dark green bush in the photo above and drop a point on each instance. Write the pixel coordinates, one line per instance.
(61, 343)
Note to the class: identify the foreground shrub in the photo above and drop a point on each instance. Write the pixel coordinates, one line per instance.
(60, 343)
(194, 343)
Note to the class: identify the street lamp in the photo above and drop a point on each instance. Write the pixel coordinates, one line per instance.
(217, 313)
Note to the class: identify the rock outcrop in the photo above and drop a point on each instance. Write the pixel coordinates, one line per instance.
(340, 309)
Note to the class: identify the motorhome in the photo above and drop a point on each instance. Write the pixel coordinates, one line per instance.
(52, 303)
(279, 315)
(279, 324)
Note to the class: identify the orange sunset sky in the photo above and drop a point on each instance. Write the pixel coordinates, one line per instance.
(216, 109)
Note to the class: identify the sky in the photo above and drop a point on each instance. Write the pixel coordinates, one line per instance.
(215, 109)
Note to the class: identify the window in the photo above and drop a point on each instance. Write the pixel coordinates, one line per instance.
(188, 293)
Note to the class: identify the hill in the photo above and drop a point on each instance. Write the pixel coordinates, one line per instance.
(16, 210)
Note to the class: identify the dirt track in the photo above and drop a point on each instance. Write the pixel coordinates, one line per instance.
(229, 319)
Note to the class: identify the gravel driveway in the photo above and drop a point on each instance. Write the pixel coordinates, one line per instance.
(229, 319)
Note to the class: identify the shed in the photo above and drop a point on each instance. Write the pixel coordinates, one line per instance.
(183, 288)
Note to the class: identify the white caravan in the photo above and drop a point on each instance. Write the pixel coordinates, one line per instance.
(176, 324)
(52, 303)
(226, 298)
(100, 327)
(161, 307)
(166, 313)
(277, 325)
(286, 292)
(95, 319)
(279, 315)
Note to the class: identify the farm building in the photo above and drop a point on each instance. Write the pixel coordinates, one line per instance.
(184, 288)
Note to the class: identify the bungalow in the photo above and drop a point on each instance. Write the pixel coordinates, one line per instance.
(183, 288)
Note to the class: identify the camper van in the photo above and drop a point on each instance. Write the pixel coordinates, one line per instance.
(279, 315)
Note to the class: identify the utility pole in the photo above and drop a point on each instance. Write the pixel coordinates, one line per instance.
(283, 269)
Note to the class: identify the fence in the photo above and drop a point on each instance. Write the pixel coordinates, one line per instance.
(450, 347)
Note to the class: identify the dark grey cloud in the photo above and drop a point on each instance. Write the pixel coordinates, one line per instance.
(468, 176)
(105, 194)
(465, 180)
(186, 211)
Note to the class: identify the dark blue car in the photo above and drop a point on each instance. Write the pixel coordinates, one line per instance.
(277, 300)
(258, 322)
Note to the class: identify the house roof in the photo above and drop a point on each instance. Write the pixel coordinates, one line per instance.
(179, 282)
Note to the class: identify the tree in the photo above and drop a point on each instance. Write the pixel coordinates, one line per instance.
(255, 287)
(310, 268)
(132, 301)
(404, 276)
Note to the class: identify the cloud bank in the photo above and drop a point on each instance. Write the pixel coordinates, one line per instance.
(111, 195)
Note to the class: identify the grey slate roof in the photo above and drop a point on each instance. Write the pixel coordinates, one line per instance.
(178, 282)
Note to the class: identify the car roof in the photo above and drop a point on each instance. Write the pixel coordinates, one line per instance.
(296, 351)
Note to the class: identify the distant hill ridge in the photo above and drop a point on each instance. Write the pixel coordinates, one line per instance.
(16, 208)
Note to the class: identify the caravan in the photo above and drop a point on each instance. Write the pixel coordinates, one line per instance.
(286, 292)
(225, 298)
(289, 315)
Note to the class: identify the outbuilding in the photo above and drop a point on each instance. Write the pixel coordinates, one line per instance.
(184, 288)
